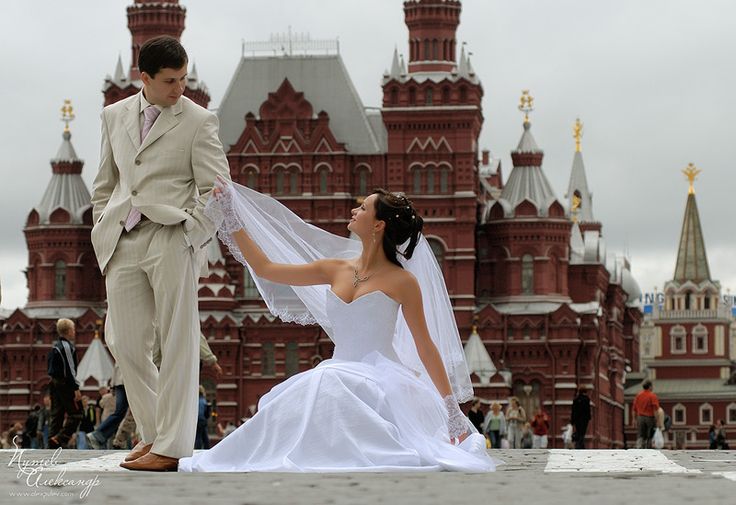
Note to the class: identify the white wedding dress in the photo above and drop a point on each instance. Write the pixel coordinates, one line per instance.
(361, 411)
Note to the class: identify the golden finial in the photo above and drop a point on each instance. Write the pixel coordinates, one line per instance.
(691, 172)
(577, 133)
(67, 114)
(576, 202)
(526, 104)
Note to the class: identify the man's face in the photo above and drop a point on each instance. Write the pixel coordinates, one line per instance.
(166, 87)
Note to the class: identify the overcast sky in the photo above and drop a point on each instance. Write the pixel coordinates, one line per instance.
(651, 80)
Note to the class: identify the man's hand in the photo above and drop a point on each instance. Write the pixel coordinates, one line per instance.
(216, 368)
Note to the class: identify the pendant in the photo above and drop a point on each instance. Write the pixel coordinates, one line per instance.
(357, 280)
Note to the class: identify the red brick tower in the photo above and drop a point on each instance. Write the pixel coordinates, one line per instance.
(62, 269)
(433, 117)
(147, 19)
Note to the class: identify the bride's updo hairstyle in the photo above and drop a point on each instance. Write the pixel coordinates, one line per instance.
(403, 223)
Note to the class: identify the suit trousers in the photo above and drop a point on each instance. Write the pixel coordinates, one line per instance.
(152, 279)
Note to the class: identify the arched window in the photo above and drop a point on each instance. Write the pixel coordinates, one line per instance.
(688, 296)
(417, 180)
(292, 358)
(59, 280)
(323, 173)
(706, 414)
(435, 49)
(677, 340)
(445, 50)
(426, 50)
(268, 364)
(280, 181)
(527, 274)
(700, 339)
(249, 286)
(294, 181)
(428, 96)
(362, 181)
(251, 178)
(430, 179)
(444, 175)
(439, 252)
(445, 95)
(463, 94)
(394, 96)
(412, 96)
(706, 301)
(679, 414)
(731, 413)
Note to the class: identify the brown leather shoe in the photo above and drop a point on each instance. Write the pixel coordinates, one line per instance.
(139, 450)
(152, 463)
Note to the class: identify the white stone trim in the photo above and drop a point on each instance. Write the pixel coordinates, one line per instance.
(678, 331)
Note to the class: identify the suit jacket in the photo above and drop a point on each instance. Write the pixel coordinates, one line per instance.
(168, 177)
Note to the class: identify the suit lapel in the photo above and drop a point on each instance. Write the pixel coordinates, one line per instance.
(132, 122)
(165, 122)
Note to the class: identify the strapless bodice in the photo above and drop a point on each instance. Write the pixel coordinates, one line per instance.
(363, 326)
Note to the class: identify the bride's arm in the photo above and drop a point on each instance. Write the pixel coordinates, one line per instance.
(317, 272)
(413, 310)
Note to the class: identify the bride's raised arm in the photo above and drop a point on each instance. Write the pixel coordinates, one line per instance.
(316, 272)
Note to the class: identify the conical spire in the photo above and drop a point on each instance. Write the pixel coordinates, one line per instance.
(579, 197)
(395, 66)
(119, 78)
(478, 359)
(692, 262)
(462, 68)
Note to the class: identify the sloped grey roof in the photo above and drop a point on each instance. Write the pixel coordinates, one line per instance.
(579, 182)
(67, 191)
(375, 119)
(692, 262)
(66, 150)
(528, 183)
(325, 82)
(577, 245)
(527, 144)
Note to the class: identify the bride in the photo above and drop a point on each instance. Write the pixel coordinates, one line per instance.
(388, 399)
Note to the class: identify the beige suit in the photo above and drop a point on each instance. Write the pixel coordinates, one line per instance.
(152, 271)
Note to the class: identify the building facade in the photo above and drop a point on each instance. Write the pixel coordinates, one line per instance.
(688, 344)
(540, 305)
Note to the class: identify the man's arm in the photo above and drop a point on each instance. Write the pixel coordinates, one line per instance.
(208, 162)
(107, 175)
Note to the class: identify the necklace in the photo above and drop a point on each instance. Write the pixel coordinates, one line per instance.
(357, 279)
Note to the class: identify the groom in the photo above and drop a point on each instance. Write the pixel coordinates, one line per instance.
(159, 159)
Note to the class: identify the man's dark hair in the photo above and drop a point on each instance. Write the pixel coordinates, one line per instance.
(647, 384)
(161, 52)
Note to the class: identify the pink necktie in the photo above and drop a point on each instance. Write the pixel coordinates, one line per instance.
(150, 114)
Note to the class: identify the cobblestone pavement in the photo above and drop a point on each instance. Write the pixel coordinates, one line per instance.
(541, 477)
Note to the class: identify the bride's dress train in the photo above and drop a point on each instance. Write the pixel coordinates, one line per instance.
(361, 411)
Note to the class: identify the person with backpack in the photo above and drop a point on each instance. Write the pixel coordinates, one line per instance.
(66, 400)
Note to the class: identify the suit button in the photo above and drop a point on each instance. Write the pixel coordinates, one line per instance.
(135, 193)
(122, 223)
(137, 162)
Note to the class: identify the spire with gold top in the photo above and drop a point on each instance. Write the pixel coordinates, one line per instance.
(692, 261)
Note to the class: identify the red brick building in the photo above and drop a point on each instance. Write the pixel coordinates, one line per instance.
(541, 305)
(688, 345)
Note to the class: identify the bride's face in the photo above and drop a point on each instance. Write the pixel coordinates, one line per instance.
(363, 218)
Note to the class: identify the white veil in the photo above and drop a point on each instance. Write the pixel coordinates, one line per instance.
(286, 238)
